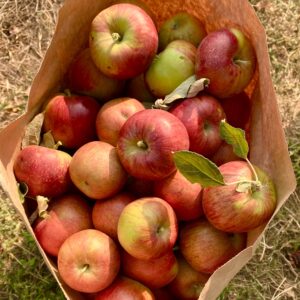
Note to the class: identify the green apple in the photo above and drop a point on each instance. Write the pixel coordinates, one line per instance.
(171, 67)
(182, 26)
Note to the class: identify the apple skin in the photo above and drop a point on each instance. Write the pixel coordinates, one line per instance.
(188, 283)
(123, 41)
(198, 236)
(163, 76)
(88, 261)
(154, 273)
(65, 215)
(140, 4)
(126, 289)
(181, 26)
(137, 88)
(224, 154)
(106, 213)
(237, 109)
(233, 211)
(45, 171)
(147, 228)
(181, 194)
(201, 116)
(96, 171)
(146, 142)
(71, 119)
(83, 77)
(112, 116)
(228, 59)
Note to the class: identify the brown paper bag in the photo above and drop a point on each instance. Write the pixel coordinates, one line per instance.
(268, 145)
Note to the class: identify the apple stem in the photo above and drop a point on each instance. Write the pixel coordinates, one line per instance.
(116, 36)
(85, 267)
(142, 144)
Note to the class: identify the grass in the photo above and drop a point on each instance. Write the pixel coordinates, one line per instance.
(25, 32)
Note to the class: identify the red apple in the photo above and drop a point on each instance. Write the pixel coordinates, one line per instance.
(170, 68)
(206, 248)
(201, 116)
(124, 288)
(137, 88)
(181, 26)
(106, 213)
(45, 171)
(237, 109)
(146, 142)
(188, 283)
(140, 4)
(83, 77)
(123, 41)
(71, 119)
(147, 228)
(112, 115)
(65, 215)
(88, 261)
(240, 211)
(227, 58)
(96, 171)
(181, 194)
(224, 154)
(154, 273)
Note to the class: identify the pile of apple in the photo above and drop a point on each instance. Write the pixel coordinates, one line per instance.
(136, 207)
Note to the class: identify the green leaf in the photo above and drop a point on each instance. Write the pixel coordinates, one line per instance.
(198, 169)
(236, 138)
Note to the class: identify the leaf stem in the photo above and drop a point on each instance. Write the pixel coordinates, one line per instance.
(252, 169)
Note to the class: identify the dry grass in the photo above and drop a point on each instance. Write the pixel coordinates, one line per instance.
(26, 28)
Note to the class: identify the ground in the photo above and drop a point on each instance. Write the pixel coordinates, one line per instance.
(26, 28)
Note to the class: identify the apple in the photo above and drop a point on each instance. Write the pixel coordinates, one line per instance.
(201, 116)
(83, 77)
(45, 171)
(96, 171)
(137, 88)
(237, 109)
(146, 142)
(71, 119)
(206, 248)
(227, 58)
(181, 194)
(170, 68)
(224, 154)
(106, 213)
(65, 215)
(140, 4)
(154, 273)
(240, 211)
(188, 283)
(112, 115)
(126, 289)
(88, 261)
(123, 41)
(181, 26)
(147, 228)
